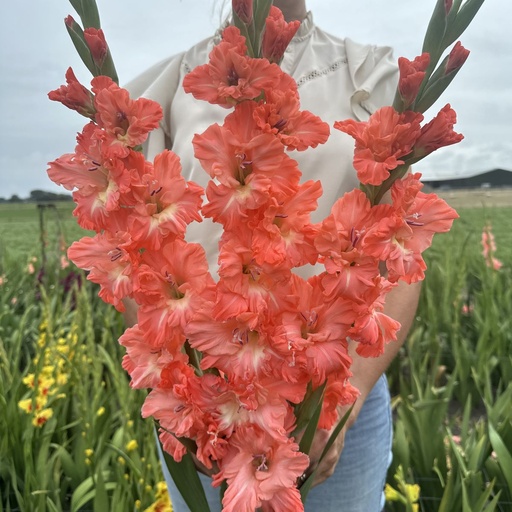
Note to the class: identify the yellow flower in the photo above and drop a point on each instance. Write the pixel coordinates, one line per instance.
(88, 452)
(413, 492)
(131, 445)
(392, 494)
(62, 379)
(130, 423)
(162, 502)
(26, 405)
(121, 460)
(161, 490)
(41, 417)
(100, 411)
(47, 371)
(29, 380)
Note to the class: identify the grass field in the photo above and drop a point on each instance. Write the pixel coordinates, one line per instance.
(451, 383)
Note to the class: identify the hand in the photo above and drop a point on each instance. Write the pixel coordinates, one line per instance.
(326, 467)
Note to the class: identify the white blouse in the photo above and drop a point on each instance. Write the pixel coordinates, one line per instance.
(337, 79)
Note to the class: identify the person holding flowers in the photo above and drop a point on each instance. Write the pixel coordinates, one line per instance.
(337, 79)
(270, 378)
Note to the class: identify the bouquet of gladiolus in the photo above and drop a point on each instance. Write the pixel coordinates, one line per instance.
(243, 366)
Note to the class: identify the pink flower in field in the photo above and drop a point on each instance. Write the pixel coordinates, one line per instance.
(3, 279)
(64, 262)
(30, 268)
(489, 248)
(14, 300)
(467, 309)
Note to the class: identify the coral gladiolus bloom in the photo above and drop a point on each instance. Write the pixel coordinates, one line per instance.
(381, 142)
(172, 285)
(126, 122)
(280, 115)
(74, 96)
(438, 133)
(111, 264)
(259, 468)
(231, 76)
(168, 204)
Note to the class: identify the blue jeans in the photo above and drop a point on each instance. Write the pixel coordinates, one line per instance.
(359, 478)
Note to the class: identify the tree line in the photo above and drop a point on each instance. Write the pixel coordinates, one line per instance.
(38, 196)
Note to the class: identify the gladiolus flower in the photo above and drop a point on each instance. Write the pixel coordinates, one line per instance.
(381, 142)
(110, 262)
(231, 76)
(438, 133)
(411, 77)
(489, 248)
(277, 36)
(456, 58)
(74, 96)
(126, 122)
(257, 468)
(95, 39)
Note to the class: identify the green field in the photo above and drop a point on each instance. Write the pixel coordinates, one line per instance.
(451, 384)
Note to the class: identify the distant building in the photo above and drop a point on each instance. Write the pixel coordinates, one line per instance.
(497, 178)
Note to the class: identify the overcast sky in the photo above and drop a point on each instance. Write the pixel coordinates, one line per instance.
(36, 51)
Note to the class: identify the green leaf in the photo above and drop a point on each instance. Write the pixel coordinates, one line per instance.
(184, 475)
(88, 12)
(335, 433)
(309, 434)
(462, 20)
(306, 486)
(436, 86)
(503, 454)
(261, 9)
(244, 31)
(101, 501)
(305, 410)
(434, 35)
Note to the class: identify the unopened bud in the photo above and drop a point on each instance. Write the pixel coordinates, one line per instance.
(243, 9)
(97, 44)
(278, 34)
(456, 59)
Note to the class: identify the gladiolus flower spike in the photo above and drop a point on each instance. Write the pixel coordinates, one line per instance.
(235, 367)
